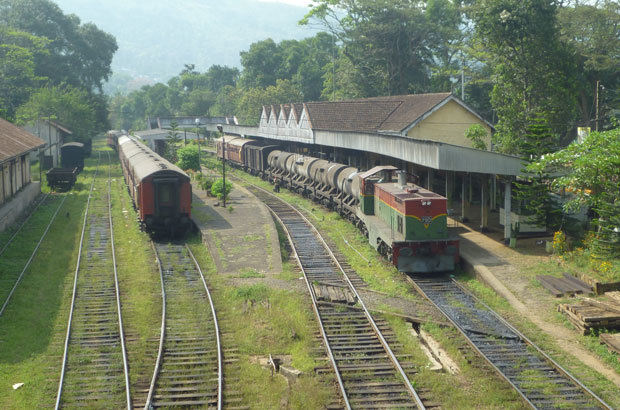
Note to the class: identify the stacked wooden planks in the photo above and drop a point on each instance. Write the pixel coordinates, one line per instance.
(590, 314)
(334, 294)
(567, 285)
(612, 341)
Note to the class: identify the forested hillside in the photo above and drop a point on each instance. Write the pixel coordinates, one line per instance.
(157, 37)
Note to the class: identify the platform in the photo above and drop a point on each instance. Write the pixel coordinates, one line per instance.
(242, 238)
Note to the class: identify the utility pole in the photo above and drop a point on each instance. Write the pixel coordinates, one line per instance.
(220, 129)
(598, 84)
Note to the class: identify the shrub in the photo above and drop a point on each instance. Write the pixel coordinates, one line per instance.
(188, 158)
(217, 191)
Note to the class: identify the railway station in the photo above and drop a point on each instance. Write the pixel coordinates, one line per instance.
(422, 134)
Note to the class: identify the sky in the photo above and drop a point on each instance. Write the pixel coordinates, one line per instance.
(301, 3)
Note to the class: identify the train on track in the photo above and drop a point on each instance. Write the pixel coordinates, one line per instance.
(403, 221)
(160, 190)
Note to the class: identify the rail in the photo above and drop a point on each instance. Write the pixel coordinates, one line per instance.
(97, 299)
(506, 349)
(318, 311)
(184, 339)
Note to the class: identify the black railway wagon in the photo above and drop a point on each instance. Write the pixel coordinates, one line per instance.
(61, 178)
(255, 157)
(72, 155)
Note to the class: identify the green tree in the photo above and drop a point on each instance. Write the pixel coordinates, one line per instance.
(532, 69)
(18, 53)
(535, 190)
(71, 106)
(593, 32)
(188, 158)
(393, 45)
(172, 142)
(79, 55)
(591, 170)
(477, 134)
(251, 102)
(260, 64)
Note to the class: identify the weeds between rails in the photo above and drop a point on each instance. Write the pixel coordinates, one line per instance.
(94, 366)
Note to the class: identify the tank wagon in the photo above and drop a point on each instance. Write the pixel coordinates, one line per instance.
(160, 190)
(405, 222)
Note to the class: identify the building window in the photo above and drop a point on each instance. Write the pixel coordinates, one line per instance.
(399, 223)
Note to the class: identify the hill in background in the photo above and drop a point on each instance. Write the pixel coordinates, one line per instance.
(156, 38)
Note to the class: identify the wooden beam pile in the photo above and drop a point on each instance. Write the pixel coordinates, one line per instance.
(334, 294)
(567, 285)
(590, 314)
(612, 341)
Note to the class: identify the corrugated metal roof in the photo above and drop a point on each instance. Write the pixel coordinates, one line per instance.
(15, 141)
(144, 161)
(376, 169)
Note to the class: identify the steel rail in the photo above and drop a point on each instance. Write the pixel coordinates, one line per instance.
(162, 332)
(522, 337)
(538, 349)
(116, 291)
(116, 287)
(6, 245)
(367, 314)
(220, 369)
(34, 252)
(75, 278)
(330, 353)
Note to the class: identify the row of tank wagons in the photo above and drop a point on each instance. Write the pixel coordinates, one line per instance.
(161, 191)
(403, 221)
(72, 156)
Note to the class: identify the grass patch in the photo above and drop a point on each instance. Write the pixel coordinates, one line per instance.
(260, 321)
(251, 273)
(33, 327)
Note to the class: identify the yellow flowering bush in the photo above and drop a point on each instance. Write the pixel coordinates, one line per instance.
(559, 243)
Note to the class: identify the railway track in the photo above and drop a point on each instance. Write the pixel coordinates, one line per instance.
(188, 371)
(12, 269)
(540, 381)
(94, 367)
(368, 372)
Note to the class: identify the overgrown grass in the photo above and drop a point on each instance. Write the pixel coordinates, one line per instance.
(33, 327)
(262, 321)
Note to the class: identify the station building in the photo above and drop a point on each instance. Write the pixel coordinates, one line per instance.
(17, 190)
(423, 134)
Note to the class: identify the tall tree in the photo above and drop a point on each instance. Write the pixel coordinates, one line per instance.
(593, 32)
(251, 102)
(78, 54)
(390, 43)
(18, 52)
(532, 70)
(260, 64)
(538, 141)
